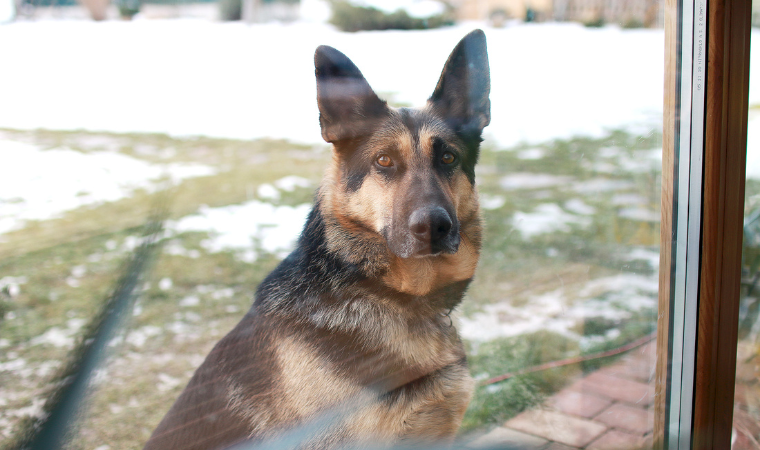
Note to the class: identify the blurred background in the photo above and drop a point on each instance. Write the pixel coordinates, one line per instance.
(204, 113)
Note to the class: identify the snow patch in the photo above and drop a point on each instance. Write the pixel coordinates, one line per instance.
(165, 284)
(753, 138)
(640, 214)
(190, 300)
(531, 153)
(597, 185)
(650, 256)
(14, 365)
(614, 297)
(546, 218)
(245, 227)
(642, 161)
(58, 337)
(174, 247)
(291, 182)
(491, 201)
(167, 382)
(268, 192)
(33, 410)
(628, 199)
(578, 206)
(80, 179)
(525, 180)
(78, 271)
(12, 285)
(140, 336)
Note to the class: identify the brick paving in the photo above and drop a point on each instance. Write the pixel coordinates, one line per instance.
(609, 409)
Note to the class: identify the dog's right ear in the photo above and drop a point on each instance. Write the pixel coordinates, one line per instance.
(461, 96)
(348, 107)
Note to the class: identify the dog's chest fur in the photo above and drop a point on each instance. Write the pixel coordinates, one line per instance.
(411, 383)
(375, 385)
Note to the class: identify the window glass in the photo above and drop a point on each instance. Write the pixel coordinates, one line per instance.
(746, 431)
(211, 126)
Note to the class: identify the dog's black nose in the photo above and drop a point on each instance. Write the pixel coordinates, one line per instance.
(430, 224)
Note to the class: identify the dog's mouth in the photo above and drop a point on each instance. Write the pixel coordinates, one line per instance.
(412, 247)
(424, 255)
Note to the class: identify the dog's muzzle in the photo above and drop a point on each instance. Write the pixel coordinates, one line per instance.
(434, 230)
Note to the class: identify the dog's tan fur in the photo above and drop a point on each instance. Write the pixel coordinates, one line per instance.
(349, 339)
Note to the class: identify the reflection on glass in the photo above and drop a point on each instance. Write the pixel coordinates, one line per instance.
(218, 122)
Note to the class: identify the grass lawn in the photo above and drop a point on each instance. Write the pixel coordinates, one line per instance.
(567, 222)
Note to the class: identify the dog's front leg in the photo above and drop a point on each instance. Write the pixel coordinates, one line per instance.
(437, 416)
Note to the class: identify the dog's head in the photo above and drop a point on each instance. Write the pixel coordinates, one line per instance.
(406, 175)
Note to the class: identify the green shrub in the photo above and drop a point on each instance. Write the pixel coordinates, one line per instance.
(530, 15)
(230, 9)
(595, 23)
(128, 8)
(348, 17)
(633, 23)
(499, 402)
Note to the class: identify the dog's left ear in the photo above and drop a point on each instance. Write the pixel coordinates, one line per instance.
(348, 107)
(461, 96)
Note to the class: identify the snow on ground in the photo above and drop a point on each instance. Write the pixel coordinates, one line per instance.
(640, 214)
(195, 77)
(753, 142)
(79, 178)
(614, 297)
(11, 285)
(578, 206)
(7, 11)
(597, 185)
(289, 183)
(531, 180)
(246, 227)
(60, 337)
(488, 201)
(191, 77)
(546, 218)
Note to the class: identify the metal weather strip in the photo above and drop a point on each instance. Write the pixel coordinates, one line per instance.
(689, 154)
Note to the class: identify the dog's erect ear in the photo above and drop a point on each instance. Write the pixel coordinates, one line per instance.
(348, 107)
(461, 96)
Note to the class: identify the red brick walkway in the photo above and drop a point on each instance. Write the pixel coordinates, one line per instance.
(607, 409)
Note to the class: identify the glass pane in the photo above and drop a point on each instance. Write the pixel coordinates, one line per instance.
(746, 433)
(213, 125)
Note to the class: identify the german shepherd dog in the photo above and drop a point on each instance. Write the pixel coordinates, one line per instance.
(355, 320)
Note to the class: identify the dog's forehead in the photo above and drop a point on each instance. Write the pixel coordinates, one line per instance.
(412, 130)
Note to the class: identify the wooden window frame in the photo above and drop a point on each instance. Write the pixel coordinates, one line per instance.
(710, 377)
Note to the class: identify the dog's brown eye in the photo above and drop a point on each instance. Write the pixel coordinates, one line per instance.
(384, 160)
(448, 158)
